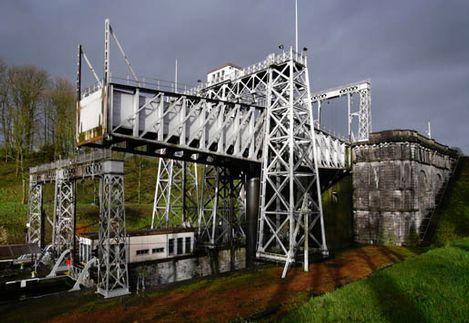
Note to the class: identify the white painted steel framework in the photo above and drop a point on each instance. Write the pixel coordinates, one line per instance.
(208, 124)
(64, 213)
(290, 166)
(34, 225)
(261, 114)
(176, 194)
(112, 273)
(363, 114)
(221, 213)
(113, 279)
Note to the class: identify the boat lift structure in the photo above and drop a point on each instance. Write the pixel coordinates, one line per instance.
(240, 158)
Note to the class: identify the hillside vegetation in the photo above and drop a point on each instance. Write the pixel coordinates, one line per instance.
(454, 212)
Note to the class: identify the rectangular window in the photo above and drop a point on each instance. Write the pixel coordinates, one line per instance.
(143, 252)
(188, 245)
(171, 246)
(180, 246)
(157, 250)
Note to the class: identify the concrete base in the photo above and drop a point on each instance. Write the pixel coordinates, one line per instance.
(113, 293)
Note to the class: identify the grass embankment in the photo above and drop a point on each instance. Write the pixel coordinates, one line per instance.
(13, 212)
(454, 211)
(432, 287)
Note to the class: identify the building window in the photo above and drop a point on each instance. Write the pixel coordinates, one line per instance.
(171, 246)
(157, 250)
(188, 245)
(143, 252)
(180, 246)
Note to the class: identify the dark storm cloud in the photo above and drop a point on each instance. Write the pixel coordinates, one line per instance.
(415, 52)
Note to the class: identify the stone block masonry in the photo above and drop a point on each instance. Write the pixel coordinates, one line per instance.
(158, 273)
(397, 177)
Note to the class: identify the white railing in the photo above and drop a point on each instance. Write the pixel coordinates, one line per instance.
(278, 58)
(90, 89)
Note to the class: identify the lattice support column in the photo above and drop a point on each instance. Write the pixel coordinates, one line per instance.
(64, 217)
(176, 194)
(364, 115)
(35, 224)
(221, 214)
(290, 167)
(113, 278)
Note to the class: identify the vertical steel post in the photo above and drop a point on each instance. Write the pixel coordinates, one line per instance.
(252, 214)
(107, 67)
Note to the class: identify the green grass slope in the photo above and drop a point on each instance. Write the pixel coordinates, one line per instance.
(453, 214)
(432, 287)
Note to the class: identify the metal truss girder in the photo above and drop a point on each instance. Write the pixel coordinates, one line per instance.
(185, 123)
(35, 234)
(290, 167)
(176, 194)
(113, 277)
(178, 126)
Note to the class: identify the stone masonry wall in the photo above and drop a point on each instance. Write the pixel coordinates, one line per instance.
(154, 274)
(397, 176)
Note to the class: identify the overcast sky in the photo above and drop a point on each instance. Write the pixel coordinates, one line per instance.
(416, 53)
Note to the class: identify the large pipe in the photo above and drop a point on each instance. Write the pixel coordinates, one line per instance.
(252, 214)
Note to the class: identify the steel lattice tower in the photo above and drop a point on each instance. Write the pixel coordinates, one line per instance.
(112, 246)
(176, 194)
(221, 213)
(289, 169)
(35, 214)
(64, 219)
(364, 115)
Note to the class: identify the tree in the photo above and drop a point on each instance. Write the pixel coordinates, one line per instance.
(27, 85)
(4, 116)
(60, 112)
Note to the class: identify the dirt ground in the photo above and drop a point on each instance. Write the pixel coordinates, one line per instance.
(257, 295)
